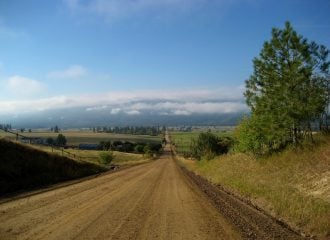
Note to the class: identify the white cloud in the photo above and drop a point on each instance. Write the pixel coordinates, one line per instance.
(24, 87)
(115, 111)
(74, 71)
(132, 112)
(181, 112)
(163, 102)
(97, 108)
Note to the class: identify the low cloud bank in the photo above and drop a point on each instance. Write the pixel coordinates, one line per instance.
(167, 102)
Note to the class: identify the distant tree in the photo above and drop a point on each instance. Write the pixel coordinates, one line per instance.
(287, 93)
(139, 148)
(127, 147)
(105, 145)
(50, 141)
(56, 129)
(30, 130)
(22, 130)
(61, 140)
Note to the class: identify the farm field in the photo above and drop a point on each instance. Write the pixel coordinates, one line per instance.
(92, 156)
(77, 137)
(182, 140)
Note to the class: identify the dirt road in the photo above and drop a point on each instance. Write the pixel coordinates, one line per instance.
(157, 200)
(150, 201)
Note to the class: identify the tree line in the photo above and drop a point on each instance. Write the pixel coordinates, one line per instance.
(131, 147)
(133, 130)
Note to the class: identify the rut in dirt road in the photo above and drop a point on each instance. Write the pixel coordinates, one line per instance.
(150, 201)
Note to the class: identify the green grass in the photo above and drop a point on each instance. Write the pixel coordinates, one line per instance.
(77, 137)
(182, 140)
(293, 185)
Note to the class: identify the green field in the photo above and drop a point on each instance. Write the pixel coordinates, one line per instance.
(77, 137)
(182, 140)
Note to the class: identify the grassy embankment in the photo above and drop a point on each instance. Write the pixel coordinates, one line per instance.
(75, 137)
(293, 185)
(92, 156)
(25, 168)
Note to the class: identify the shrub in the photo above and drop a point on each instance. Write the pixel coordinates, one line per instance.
(209, 145)
(106, 157)
(139, 148)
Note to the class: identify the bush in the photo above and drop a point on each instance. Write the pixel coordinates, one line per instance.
(253, 137)
(139, 148)
(209, 145)
(147, 150)
(106, 157)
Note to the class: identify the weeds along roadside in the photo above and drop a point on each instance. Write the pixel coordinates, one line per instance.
(287, 185)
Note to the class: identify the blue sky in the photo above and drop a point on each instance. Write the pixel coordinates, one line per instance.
(194, 54)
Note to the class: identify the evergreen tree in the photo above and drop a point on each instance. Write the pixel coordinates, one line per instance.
(61, 140)
(287, 92)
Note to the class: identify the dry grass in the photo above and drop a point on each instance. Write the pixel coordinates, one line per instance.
(92, 156)
(293, 185)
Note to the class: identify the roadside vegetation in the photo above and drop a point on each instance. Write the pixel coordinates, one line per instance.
(26, 168)
(292, 185)
(183, 140)
(288, 94)
(279, 155)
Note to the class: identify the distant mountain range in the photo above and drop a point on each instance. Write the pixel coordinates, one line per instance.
(82, 117)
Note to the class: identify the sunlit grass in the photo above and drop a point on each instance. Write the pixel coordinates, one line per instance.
(92, 156)
(293, 185)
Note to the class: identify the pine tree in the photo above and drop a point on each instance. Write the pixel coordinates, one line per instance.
(288, 90)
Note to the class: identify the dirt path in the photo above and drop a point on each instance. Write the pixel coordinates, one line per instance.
(158, 200)
(150, 201)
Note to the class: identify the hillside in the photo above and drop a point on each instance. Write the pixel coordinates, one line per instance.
(23, 168)
(293, 186)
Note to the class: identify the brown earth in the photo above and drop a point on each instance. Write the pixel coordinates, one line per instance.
(151, 201)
